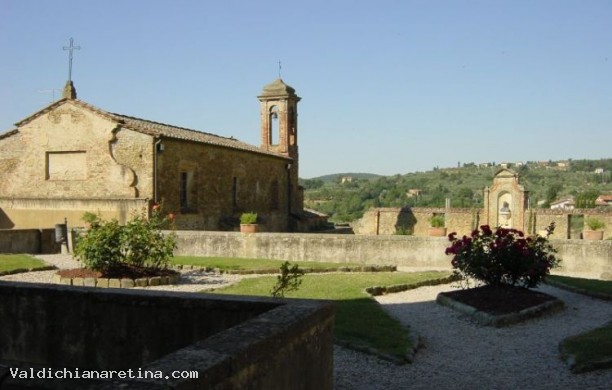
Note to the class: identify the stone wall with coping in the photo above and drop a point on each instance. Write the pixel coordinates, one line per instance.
(415, 220)
(232, 342)
(31, 241)
(582, 258)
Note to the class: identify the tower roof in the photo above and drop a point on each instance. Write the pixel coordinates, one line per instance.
(277, 88)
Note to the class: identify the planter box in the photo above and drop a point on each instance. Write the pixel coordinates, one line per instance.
(249, 228)
(592, 234)
(437, 231)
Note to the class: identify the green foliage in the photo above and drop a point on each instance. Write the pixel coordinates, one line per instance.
(100, 248)
(289, 279)
(91, 218)
(402, 231)
(143, 243)
(437, 221)
(108, 246)
(594, 223)
(248, 218)
(464, 186)
(502, 257)
(586, 200)
(311, 184)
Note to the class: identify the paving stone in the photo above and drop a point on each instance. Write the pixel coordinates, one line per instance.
(127, 283)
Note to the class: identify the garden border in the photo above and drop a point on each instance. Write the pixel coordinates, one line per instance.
(498, 321)
(117, 282)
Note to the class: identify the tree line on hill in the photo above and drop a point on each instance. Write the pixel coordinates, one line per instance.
(345, 197)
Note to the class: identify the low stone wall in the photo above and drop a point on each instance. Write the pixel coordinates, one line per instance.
(406, 251)
(415, 220)
(28, 241)
(584, 258)
(26, 213)
(232, 342)
(580, 257)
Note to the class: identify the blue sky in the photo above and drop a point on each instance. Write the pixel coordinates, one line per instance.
(387, 86)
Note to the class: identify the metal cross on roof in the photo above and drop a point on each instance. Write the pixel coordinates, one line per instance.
(71, 48)
(279, 69)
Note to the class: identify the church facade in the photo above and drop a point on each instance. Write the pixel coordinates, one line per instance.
(71, 157)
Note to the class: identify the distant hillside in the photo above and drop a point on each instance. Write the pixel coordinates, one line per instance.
(335, 177)
(546, 181)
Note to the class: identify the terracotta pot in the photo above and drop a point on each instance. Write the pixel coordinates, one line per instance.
(249, 228)
(437, 231)
(592, 234)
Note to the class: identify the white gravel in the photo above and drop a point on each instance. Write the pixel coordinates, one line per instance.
(191, 280)
(456, 352)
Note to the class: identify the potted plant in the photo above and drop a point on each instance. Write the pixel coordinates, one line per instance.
(595, 229)
(248, 223)
(437, 228)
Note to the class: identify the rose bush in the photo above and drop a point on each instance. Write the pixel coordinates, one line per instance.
(502, 257)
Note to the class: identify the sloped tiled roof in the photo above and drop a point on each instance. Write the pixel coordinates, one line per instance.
(603, 199)
(277, 88)
(157, 129)
(9, 133)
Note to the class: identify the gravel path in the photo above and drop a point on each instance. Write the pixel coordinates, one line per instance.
(456, 352)
(191, 280)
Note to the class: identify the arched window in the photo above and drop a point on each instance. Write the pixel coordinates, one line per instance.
(274, 125)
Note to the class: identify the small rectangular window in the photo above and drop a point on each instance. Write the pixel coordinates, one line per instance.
(187, 192)
(235, 193)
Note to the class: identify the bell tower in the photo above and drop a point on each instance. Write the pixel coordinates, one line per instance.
(279, 119)
(278, 103)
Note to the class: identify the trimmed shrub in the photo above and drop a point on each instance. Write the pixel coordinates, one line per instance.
(108, 246)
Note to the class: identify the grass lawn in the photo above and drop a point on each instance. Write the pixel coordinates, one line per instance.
(589, 285)
(234, 264)
(360, 320)
(10, 262)
(593, 349)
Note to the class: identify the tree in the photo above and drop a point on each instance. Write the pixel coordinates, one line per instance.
(586, 199)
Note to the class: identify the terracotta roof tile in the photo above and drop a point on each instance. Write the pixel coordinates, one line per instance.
(157, 129)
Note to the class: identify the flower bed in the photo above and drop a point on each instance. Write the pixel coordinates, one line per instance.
(500, 306)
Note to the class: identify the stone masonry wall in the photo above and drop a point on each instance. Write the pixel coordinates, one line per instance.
(258, 181)
(231, 342)
(582, 258)
(72, 153)
(45, 213)
(387, 221)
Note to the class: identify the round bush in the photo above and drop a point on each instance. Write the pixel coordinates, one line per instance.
(502, 257)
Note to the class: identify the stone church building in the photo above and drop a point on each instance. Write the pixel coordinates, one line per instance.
(71, 157)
